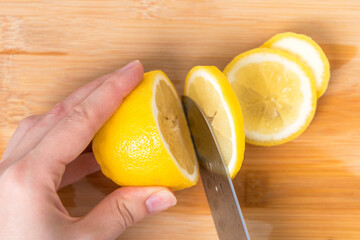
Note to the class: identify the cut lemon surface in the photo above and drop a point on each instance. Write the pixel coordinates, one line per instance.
(308, 51)
(277, 94)
(210, 89)
(147, 141)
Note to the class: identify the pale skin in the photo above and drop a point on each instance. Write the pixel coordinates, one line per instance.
(46, 153)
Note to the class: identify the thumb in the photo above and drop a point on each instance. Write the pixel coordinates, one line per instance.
(121, 209)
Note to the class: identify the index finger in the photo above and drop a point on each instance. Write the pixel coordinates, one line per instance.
(72, 134)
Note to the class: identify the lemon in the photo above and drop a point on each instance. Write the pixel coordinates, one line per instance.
(210, 89)
(147, 140)
(277, 94)
(308, 51)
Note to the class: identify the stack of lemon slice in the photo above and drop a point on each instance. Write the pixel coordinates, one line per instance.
(277, 86)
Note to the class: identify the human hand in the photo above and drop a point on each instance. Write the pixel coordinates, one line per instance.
(44, 154)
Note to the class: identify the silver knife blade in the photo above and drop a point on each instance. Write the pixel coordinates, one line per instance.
(220, 192)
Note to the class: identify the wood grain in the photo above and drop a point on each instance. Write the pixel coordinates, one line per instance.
(306, 189)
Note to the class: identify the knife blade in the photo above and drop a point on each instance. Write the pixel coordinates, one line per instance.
(220, 192)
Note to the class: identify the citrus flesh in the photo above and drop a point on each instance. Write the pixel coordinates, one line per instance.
(210, 89)
(277, 94)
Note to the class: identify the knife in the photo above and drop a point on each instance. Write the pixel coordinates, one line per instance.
(220, 192)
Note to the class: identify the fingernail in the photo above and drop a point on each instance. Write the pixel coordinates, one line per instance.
(160, 201)
(129, 66)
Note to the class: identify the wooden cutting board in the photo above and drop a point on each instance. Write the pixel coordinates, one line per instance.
(306, 189)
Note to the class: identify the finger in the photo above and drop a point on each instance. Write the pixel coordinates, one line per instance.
(32, 137)
(82, 166)
(24, 126)
(71, 136)
(121, 209)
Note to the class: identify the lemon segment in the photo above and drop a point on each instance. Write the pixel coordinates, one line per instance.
(277, 94)
(210, 89)
(146, 142)
(308, 51)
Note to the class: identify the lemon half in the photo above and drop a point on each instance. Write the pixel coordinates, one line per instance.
(147, 142)
(210, 89)
(277, 94)
(308, 51)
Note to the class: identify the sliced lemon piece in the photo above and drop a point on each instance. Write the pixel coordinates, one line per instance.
(308, 51)
(210, 89)
(276, 92)
(147, 141)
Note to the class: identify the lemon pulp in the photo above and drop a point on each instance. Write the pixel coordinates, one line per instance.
(270, 96)
(173, 126)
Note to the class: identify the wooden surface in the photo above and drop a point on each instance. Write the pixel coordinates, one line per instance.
(306, 189)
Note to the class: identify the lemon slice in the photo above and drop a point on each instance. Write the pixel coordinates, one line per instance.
(308, 51)
(147, 141)
(276, 92)
(210, 89)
